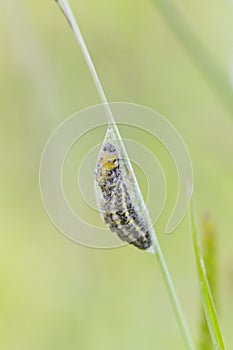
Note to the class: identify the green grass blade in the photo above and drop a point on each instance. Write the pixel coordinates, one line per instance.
(209, 254)
(206, 296)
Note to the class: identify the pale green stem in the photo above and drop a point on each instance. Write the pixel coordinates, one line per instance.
(66, 9)
(64, 5)
(173, 297)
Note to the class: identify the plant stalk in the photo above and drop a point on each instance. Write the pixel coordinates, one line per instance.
(173, 297)
(65, 7)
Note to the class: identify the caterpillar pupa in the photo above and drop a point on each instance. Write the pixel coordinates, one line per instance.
(116, 197)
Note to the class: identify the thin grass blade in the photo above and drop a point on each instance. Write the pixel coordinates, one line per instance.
(116, 137)
(206, 295)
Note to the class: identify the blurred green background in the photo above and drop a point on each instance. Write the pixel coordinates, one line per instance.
(55, 294)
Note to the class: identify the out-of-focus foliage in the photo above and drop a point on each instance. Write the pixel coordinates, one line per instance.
(54, 293)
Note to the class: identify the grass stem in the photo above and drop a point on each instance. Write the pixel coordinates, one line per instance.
(64, 5)
(173, 297)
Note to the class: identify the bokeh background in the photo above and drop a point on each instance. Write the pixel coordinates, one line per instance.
(56, 294)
